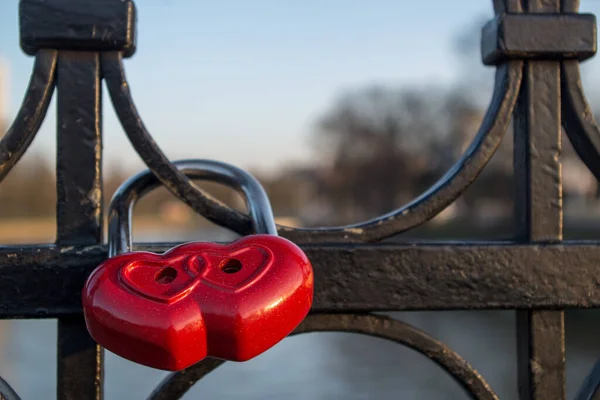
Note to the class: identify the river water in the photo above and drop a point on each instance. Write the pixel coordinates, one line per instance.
(319, 365)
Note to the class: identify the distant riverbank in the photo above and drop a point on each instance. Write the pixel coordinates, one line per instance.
(312, 366)
(43, 230)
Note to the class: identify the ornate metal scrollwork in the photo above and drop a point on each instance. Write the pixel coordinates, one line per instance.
(177, 384)
(91, 40)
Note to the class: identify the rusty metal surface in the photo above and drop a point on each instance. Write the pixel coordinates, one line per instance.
(399, 277)
(79, 207)
(537, 83)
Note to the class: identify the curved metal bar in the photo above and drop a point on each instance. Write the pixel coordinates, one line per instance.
(174, 180)
(124, 199)
(578, 120)
(175, 385)
(445, 190)
(590, 385)
(31, 113)
(7, 392)
(417, 212)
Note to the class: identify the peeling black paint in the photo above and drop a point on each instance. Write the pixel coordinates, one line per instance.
(536, 46)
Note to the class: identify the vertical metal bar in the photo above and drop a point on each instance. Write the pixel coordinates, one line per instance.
(540, 334)
(79, 209)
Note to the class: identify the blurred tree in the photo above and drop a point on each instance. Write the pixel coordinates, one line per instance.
(476, 81)
(386, 145)
(29, 190)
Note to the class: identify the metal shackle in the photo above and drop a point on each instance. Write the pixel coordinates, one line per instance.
(134, 188)
(7, 392)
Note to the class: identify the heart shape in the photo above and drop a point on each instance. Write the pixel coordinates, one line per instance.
(160, 281)
(235, 269)
(171, 310)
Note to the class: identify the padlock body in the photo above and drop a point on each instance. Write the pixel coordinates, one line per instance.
(248, 311)
(152, 329)
(169, 311)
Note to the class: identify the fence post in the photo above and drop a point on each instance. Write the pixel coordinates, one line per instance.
(538, 200)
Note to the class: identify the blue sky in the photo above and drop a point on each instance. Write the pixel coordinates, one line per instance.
(243, 81)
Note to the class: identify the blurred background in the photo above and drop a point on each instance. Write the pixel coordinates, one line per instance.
(344, 110)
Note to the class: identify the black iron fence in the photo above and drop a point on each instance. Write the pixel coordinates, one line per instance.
(536, 46)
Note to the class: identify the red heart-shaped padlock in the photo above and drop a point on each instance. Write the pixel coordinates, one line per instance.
(139, 306)
(254, 293)
(169, 311)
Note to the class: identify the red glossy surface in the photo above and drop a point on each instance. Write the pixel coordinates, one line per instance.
(172, 310)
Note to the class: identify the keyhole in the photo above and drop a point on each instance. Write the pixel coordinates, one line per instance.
(165, 276)
(231, 266)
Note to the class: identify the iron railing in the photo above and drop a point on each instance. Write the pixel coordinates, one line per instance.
(536, 46)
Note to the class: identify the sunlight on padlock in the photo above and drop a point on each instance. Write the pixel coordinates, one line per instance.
(313, 365)
(201, 299)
